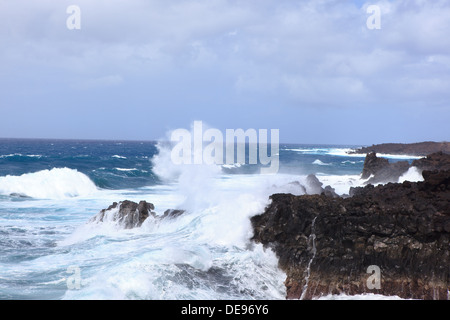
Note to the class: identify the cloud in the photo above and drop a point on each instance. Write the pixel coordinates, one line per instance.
(306, 54)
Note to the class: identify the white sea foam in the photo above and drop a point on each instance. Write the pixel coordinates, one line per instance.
(188, 257)
(413, 175)
(231, 166)
(57, 183)
(366, 296)
(352, 162)
(20, 155)
(342, 183)
(118, 157)
(203, 254)
(126, 169)
(348, 152)
(320, 163)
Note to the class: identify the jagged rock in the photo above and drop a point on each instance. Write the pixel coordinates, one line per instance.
(172, 213)
(417, 149)
(325, 245)
(127, 213)
(435, 161)
(381, 170)
(330, 192)
(373, 164)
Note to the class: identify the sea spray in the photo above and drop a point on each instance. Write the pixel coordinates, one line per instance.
(204, 253)
(57, 183)
(312, 240)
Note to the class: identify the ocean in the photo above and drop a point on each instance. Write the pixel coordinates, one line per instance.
(50, 189)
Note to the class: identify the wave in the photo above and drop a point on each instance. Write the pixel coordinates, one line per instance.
(126, 169)
(57, 183)
(320, 163)
(365, 296)
(413, 175)
(345, 152)
(118, 157)
(231, 166)
(348, 152)
(18, 155)
(352, 162)
(308, 150)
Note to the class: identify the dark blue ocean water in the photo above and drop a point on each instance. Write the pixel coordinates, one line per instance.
(51, 189)
(109, 164)
(127, 164)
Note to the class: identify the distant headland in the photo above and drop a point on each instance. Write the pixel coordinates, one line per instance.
(412, 149)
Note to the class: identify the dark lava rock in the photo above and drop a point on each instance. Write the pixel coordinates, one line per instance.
(127, 213)
(381, 170)
(326, 245)
(172, 213)
(417, 149)
(436, 161)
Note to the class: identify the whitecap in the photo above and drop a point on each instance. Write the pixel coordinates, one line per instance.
(57, 183)
(320, 163)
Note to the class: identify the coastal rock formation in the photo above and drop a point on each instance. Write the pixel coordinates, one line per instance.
(413, 149)
(382, 170)
(127, 213)
(435, 161)
(332, 245)
(311, 185)
(172, 213)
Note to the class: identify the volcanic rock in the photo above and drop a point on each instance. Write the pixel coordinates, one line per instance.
(172, 213)
(328, 245)
(127, 213)
(381, 170)
(435, 161)
(414, 149)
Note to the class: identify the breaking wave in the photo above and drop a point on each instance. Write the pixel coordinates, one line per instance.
(57, 183)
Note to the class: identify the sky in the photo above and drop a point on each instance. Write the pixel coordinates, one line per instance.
(316, 70)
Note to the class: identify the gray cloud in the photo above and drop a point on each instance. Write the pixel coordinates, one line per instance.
(306, 54)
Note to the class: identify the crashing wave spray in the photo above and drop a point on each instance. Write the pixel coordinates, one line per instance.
(312, 238)
(189, 148)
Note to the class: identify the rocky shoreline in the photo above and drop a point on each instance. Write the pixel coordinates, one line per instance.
(380, 170)
(330, 245)
(411, 149)
(391, 239)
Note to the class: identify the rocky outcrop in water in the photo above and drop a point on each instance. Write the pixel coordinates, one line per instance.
(436, 161)
(380, 170)
(129, 214)
(172, 213)
(413, 149)
(328, 245)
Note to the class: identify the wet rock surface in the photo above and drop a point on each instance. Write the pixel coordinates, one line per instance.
(129, 214)
(326, 244)
(380, 170)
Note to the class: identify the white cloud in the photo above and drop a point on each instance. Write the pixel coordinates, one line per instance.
(315, 52)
